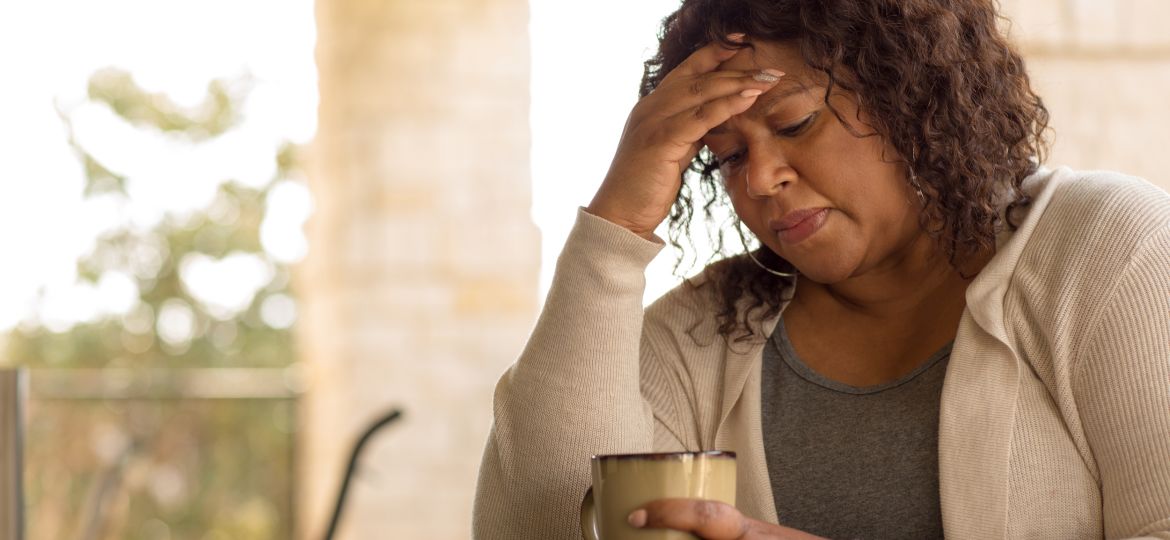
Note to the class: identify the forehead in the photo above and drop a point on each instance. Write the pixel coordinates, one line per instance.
(766, 54)
(799, 79)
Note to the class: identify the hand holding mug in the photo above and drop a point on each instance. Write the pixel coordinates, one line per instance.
(710, 520)
(623, 483)
(670, 496)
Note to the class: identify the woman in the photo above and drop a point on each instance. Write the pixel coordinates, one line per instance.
(884, 153)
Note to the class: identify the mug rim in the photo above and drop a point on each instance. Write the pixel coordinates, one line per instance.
(664, 455)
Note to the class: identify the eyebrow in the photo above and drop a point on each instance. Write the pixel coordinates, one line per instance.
(770, 101)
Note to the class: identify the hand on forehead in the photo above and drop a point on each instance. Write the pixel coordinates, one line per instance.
(765, 54)
(769, 55)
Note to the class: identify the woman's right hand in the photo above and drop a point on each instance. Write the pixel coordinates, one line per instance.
(662, 135)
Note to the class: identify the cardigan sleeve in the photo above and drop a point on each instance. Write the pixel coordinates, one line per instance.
(573, 392)
(1122, 388)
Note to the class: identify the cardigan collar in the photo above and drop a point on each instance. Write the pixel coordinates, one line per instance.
(977, 413)
(986, 292)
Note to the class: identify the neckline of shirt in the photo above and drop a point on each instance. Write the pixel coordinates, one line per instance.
(783, 347)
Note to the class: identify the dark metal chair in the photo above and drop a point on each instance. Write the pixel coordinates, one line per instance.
(349, 470)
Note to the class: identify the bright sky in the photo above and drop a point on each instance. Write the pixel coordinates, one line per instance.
(586, 68)
(48, 49)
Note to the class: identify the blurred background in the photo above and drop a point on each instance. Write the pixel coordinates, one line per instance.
(234, 234)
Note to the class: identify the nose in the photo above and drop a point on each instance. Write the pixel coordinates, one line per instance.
(768, 171)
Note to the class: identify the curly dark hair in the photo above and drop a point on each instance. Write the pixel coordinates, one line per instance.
(941, 83)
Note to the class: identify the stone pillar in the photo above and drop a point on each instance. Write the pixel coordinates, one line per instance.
(421, 279)
(1103, 68)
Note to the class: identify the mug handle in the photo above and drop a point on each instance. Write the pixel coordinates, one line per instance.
(589, 517)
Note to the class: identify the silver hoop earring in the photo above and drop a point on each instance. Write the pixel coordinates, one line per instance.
(769, 270)
(757, 261)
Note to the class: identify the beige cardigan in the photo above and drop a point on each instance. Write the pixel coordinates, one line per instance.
(1055, 414)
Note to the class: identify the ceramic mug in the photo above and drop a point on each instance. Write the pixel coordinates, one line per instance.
(624, 482)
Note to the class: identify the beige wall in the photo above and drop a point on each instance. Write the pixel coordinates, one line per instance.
(420, 284)
(1103, 68)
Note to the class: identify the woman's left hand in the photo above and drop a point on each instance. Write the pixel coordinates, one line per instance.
(711, 520)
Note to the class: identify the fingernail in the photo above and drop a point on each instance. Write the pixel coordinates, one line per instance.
(753, 92)
(768, 76)
(637, 519)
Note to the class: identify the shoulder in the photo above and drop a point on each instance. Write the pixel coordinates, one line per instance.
(1105, 206)
(1090, 220)
(1084, 232)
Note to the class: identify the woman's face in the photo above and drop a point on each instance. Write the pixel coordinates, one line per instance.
(833, 204)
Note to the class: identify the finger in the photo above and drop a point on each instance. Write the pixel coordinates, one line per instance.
(712, 520)
(706, 58)
(705, 83)
(690, 155)
(699, 90)
(727, 73)
(690, 125)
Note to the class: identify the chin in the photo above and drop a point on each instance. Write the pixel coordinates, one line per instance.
(825, 277)
(827, 271)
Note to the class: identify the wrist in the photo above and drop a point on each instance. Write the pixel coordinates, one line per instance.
(598, 211)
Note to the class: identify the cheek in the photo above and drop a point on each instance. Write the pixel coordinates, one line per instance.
(870, 184)
(753, 214)
(887, 222)
(747, 209)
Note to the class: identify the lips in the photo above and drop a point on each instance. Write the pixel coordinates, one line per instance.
(797, 225)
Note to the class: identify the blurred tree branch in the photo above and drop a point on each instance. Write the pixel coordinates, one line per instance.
(218, 113)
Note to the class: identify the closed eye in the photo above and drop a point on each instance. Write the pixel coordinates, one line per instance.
(735, 158)
(797, 128)
(732, 159)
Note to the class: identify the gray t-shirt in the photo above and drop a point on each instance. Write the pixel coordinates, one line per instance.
(848, 462)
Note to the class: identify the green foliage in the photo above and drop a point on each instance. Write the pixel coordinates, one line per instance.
(231, 224)
(218, 113)
(98, 179)
(234, 458)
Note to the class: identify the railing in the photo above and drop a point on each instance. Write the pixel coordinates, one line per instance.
(166, 384)
(12, 396)
(93, 435)
(123, 385)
